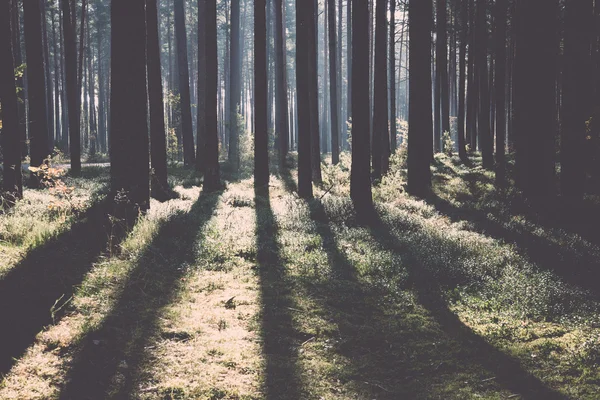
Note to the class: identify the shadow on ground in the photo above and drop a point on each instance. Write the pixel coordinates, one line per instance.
(279, 337)
(110, 359)
(33, 292)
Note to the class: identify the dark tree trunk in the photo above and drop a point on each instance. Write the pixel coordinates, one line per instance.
(392, 76)
(261, 136)
(313, 82)
(349, 67)
(481, 64)
(129, 153)
(38, 121)
(472, 85)
(420, 123)
(234, 86)
(281, 100)
(303, 15)
(158, 141)
(18, 59)
(462, 152)
(201, 119)
(333, 82)
(212, 179)
(442, 66)
(360, 176)
(73, 94)
(189, 154)
(12, 182)
(500, 89)
(535, 102)
(577, 96)
(381, 138)
(49, 97)
(57, 79)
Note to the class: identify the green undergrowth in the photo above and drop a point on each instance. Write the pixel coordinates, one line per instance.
(43, 214)
(253, 294)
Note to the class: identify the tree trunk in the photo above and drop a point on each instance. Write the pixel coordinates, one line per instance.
(261, 135)
(129, 155)
(158, 141)
(38, 125)
(462, 152)
(381, 136)
(333, 83)
(189, 154)
(392, 76)
(281, 100)
(234, 86)
(12, 182)
(420, 121)
(303, 65)
(201, 119)
(500, 89)
(360, 176)
(313, 83)
(535, 102)
(73, 95)
(212, 179)
(577, 97)
(481, 61)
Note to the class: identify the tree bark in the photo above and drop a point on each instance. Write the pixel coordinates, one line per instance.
(12, 181)
(303, 15)
(189, 153)
(212, 179)
(158, 141)
(261, 136)
(38, 122)
(360, 175)
(381, 136)
(129, 153)
(420, 124)
(333, 83)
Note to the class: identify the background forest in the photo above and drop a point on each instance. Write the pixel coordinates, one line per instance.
(299, 199)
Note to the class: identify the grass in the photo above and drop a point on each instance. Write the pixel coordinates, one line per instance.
(247, 294)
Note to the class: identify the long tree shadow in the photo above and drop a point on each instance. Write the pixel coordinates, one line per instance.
(507, 370)
(390, 351)
(279, 337)
(33, 292)
(574, 264)
(110, 358)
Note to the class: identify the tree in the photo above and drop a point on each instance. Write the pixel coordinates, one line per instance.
(464, 30)
(313, 94)
(281, 116)
(303, 14)
(535, 97)
(420, 124)
(12, 182)
(481, 63)
(38, 123)
(261, 136)
(201, 118)
(212, 179)
(158, 146)
(189, 154)
(73, 94)
(577, 96)
(500, 89)
(234, 86)
(360, 175)
(392, 76)
(129, 153)
(380, 146)
(333, 82)
(442, 67)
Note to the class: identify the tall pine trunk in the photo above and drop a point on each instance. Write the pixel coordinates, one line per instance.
(360, 175)
(420, 124)
(333, 83)
(261, 135)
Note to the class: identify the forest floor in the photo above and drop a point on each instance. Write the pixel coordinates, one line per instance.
(256, 294)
